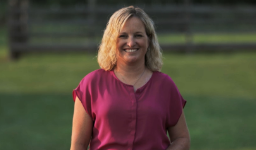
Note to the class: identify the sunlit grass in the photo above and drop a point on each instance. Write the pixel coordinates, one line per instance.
(219, 88)
(226, 75)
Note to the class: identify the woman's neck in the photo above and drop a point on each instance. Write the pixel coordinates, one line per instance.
(130, 74)
(130, 71)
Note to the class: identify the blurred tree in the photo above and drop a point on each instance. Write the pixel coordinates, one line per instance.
(3, 12)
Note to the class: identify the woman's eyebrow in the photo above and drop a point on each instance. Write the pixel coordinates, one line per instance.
(122, 33)
(134, 33)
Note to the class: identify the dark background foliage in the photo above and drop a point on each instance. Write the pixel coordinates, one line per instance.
(130, 2)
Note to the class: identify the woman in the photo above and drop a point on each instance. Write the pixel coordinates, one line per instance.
(128, 104)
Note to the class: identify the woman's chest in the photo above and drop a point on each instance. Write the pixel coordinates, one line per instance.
(125, 104)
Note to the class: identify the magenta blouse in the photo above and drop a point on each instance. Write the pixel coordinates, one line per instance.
(128, 120)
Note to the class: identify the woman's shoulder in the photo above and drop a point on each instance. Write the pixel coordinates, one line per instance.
(162, 76)
(95, 75)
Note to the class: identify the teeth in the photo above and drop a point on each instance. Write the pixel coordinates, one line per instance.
(131, 50)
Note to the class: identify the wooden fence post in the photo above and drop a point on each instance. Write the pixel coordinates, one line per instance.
(17, 26)
(92, 16)
(188, 32)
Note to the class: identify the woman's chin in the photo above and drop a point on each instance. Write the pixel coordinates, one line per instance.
(132, 60)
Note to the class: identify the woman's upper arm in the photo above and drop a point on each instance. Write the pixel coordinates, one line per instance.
(180, 130)
(81, 128)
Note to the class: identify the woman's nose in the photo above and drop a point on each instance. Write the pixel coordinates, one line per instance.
(131, 42)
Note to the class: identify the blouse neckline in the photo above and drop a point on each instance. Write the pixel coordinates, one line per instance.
(139, 89)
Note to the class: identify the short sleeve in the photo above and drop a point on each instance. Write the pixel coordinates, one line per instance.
(177, 103)
(83, 93)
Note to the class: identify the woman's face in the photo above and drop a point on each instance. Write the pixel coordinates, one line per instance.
(132, 42)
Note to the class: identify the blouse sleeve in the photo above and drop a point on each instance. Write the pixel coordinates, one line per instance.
(177, 103)
(82, 91)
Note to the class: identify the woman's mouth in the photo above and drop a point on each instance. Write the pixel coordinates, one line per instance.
(131, 50)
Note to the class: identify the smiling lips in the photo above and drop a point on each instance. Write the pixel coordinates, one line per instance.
(130, 50)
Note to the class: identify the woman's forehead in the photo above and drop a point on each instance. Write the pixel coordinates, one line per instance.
(133, 24)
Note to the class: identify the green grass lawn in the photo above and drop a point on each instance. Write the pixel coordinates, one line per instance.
(36, 104)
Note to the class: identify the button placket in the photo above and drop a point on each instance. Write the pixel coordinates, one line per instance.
(133, 117)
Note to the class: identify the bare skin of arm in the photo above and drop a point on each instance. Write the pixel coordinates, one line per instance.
(82, 127)
(179, 135)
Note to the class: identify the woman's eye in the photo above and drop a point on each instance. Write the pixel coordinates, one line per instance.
(122, 36)
(138, 35)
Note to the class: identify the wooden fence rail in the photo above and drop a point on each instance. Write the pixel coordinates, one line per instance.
(30, 29)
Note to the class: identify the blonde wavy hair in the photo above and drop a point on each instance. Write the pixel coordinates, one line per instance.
(107, 56)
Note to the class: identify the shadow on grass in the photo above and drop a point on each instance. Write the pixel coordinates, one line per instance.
(44, 121)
